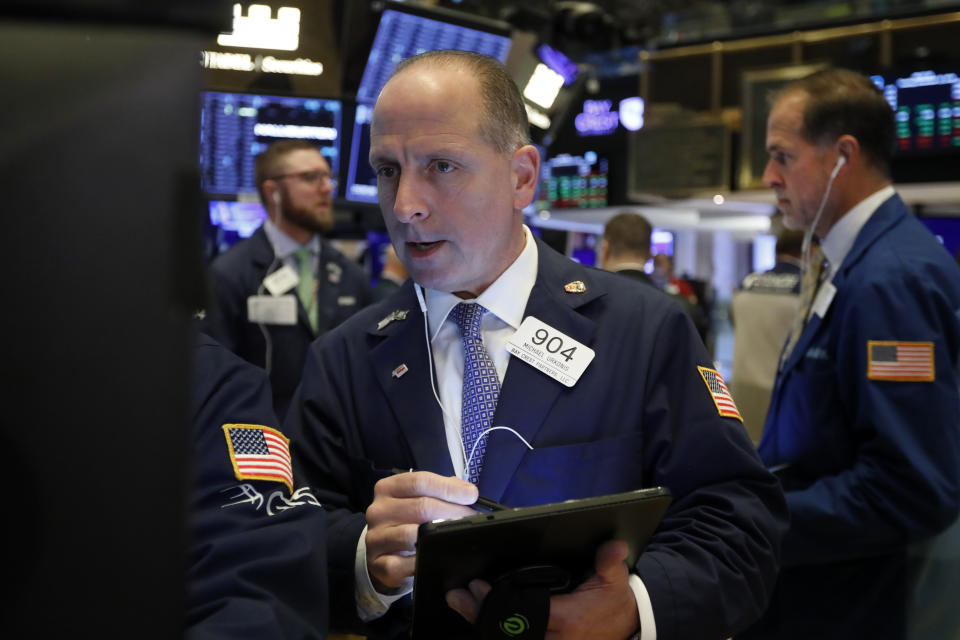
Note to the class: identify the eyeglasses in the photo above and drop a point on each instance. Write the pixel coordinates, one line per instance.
(310, 177)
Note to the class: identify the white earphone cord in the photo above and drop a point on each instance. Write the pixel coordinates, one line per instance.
(808, 234)
(454, 419)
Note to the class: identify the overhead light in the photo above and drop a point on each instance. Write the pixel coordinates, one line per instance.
(537, 118)
(258, 30)
(718, 199)
(543, 86)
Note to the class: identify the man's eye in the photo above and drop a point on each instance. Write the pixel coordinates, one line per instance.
(443, 166)
(386, 172)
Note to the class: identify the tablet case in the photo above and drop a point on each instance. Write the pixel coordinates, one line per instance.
(564, 535)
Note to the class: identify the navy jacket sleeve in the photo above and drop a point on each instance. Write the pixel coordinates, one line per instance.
(257, 564)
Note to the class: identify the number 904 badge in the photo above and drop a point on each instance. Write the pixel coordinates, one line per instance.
(551, 351)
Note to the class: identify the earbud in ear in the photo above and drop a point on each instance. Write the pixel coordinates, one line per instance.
(842, 160)
(276, 198)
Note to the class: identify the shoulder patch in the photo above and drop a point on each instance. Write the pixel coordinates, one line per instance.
(900, 361)
(719, 393)
(259, 453)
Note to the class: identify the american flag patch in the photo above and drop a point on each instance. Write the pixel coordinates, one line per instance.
(259, 453)
(720, 394)
(900, 361)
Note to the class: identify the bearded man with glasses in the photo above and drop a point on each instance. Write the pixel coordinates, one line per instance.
(278, 290)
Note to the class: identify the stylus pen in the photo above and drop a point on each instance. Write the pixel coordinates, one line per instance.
(484, 505)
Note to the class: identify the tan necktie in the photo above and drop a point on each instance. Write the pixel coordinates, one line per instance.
(808, 291)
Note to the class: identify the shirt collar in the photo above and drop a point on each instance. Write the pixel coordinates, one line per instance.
(840, 238)
(506, 298)
(629, 266)
(283, 245)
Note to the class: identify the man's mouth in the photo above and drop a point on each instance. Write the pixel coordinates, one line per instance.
(420, 249)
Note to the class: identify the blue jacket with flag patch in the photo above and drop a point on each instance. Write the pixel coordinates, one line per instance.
(865, 422)
(641, 415)
(257, 561)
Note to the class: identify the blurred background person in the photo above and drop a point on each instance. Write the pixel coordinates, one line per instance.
(286, 284)
(393, 274)
(762, 312)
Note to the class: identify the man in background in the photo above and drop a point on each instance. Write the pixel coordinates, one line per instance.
(862, 424)
(285, 285)
(392, 275)
(762, 312)
(625, 249)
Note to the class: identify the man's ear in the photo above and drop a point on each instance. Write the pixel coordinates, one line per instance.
(604, 253)
(848, 148)
(525, 169)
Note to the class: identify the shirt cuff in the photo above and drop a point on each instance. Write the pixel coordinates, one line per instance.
(372, 604)
(648, 626)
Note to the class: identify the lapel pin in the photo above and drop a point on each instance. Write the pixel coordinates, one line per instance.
(576, 286)
(399, 371)
(400, 314)
(334, 271)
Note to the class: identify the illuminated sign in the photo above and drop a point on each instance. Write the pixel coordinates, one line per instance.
(598, 120)
(259, 30)
(631, 113)
(543, 86)
(264, 64)
(558, 62)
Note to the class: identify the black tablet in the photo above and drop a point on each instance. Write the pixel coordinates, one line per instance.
(450, 553)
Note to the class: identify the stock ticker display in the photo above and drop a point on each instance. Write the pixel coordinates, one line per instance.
(235, 127)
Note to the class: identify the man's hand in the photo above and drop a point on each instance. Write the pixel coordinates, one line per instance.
(400, 504)
(601, 608)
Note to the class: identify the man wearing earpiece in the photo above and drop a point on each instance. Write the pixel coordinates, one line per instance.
(279, 289)
(864, 422)
(620, 394)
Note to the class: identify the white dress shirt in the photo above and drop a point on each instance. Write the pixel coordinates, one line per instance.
(284, 246)
(841, 237)
(505, 299)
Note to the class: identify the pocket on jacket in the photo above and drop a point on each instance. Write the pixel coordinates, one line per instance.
(580, 470)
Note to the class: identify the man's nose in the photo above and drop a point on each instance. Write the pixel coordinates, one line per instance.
(409, 204)
(771, 177)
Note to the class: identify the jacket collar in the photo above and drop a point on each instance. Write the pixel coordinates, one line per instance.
(889, 214)
(526, 396)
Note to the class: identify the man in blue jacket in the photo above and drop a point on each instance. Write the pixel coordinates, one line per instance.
(283, 286)
(863, 424)
(425, 380)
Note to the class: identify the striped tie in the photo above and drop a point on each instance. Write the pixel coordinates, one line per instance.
(809, 286)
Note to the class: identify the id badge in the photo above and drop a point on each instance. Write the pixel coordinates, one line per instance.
(552, 352)
(281, 310)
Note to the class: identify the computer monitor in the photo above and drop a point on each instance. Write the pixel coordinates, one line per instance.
(946, 229)
(569, 181)
(361, 180)
(404, 31)
(927, 110)
(236, 127)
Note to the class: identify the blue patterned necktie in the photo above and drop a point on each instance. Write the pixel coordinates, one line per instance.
(481, 387)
